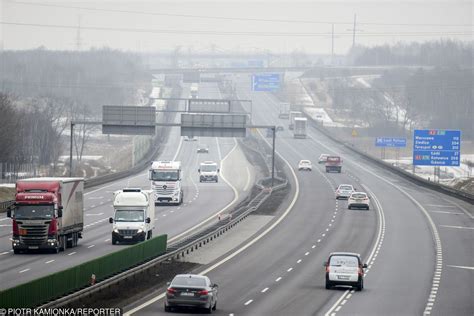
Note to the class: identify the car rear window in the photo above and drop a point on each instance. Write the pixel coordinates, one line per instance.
(344, 261)
(359, 196)
(188, 281)
(345, 187)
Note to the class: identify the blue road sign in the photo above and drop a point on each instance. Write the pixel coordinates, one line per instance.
(266, 82)
(436, 148)
(390, 142)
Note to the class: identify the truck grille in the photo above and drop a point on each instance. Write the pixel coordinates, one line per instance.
(164, 190)
(35, 234)
(127, 232)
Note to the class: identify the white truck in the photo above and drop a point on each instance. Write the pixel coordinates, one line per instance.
(208, 171)
(194, 90)
(284, 110)
(165, 177)
(294, 114)
(299, 130)
(134, 215)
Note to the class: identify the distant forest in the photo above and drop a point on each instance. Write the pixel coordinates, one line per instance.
(41, 91)
(438, 94)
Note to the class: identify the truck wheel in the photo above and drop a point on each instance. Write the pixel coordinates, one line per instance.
(149, 234)
(217, 180)
(16, 251)
(70, 243)
(114, 242)
(62, 243)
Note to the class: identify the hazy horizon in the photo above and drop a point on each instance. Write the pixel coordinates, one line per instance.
(221, 26)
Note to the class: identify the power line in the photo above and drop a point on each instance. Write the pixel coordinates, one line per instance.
(235, 33)
(234, 18)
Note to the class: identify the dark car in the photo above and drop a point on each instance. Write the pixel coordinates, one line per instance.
(191, 291)
(203, 150)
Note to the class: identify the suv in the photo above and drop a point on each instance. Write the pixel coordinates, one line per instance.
(345, 268)
(359, 200)
(344, 191)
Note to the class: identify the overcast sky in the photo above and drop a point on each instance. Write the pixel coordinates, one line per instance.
(225, 25)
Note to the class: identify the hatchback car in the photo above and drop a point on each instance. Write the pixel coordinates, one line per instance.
(305, 165)
(323, 158)
(344, 191)
(358, 200)
(345, 268)
(203, 149)
(191, 290)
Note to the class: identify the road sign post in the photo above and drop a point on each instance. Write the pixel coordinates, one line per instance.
(436, 148)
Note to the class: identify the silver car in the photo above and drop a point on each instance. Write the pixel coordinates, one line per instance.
(344, 191)
(191, 290)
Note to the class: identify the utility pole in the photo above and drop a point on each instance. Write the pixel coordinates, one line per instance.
(78, 34)
(354, 31)
(332, 46)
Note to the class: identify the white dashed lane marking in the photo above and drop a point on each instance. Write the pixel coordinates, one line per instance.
(72, 253)
(278, 279)
(49, 261)
(264, 290)
(22, 271)
(248, 302)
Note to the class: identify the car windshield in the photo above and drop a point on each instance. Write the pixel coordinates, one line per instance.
(129, 216)
(359, 196)
(168, 175)
(344, 261)
(34, 211)
(208, 168)
(188, 281)
(345, 187)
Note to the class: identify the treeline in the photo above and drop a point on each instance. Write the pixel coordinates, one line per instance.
(92, 78)
(29, 133)
(435, 53)
(42, 91)
(436, 98)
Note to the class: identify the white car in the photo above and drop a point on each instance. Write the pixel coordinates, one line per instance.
(358, 200)
(323, 158)
(345, 268)
(305, 165)
(344, 191)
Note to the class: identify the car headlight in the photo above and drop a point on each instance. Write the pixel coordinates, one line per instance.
(116, 230)
(139, 231)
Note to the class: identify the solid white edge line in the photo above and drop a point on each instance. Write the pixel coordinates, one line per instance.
(247, 184)
(243, 248)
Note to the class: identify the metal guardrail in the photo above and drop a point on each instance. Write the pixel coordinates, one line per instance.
(181, 248)
(465, 196)
(4, 205)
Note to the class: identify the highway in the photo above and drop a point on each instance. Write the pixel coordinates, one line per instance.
(201, 204)
(417, 243)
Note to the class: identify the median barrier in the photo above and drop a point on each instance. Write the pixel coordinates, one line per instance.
(58, 284)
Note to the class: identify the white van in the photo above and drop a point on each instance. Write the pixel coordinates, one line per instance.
(134, 215)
